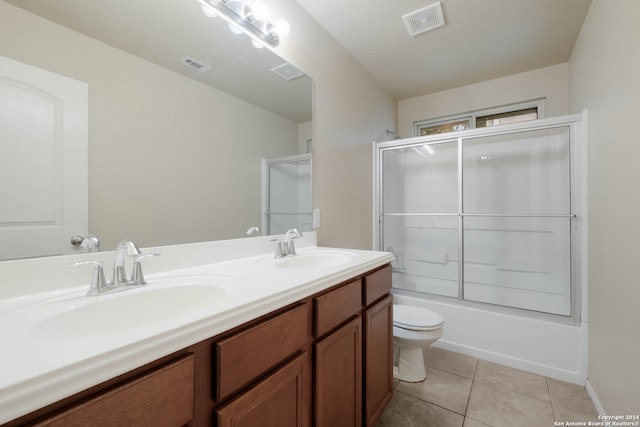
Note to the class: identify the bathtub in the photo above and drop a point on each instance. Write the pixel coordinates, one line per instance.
(540, 346)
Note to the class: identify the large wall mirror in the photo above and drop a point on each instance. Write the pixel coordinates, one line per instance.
(174, 151)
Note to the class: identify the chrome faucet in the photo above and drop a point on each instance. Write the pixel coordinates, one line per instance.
(291, 234)
(98, 284)
(394, 268)
(287, 247)
(125, 249)
(253, 231)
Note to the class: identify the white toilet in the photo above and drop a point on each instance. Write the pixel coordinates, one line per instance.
(413, 328)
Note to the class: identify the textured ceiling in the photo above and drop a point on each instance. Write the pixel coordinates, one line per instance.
(165, 31)
(482, 39)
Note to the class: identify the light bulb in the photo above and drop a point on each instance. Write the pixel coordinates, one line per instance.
(208, 10)
(241, 9)
(260, 10)
(257, 44)
(283, 28)
(235, 29)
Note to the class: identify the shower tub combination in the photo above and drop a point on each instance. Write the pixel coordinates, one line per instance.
(487, 227)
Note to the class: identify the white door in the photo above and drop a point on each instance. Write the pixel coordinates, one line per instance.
(43, 161)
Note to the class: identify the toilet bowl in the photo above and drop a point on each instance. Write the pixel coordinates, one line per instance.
(413, 329)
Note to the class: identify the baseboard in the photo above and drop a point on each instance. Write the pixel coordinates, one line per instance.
(594, 397)
(513, 362)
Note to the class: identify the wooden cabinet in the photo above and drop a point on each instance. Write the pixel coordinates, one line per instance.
(162, 397)
(338, 377)
(376, 285)
(323, 361)
(378, 363)
(246, 355)
(337, 306)
(280, 400)
(354, 363)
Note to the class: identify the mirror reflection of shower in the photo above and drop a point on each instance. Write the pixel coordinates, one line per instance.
(286, 194)
(390, 135)
(395, 262)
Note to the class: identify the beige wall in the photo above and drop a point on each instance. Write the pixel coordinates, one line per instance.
(604, 75)
(550, 83)
(350, 111)
(170, 159)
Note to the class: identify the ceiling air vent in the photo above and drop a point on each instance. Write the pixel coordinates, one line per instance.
(425, 19)
(287, 71)
(195, 64)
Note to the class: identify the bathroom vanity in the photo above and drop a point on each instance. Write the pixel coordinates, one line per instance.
(300, 341)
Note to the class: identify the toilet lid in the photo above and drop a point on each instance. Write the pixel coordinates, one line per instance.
(416, 318)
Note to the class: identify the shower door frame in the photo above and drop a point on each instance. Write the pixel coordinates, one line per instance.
(577, 125)
(266, 186)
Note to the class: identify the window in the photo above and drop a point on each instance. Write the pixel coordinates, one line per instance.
(507, 117)
(513, 113)
(447, 126)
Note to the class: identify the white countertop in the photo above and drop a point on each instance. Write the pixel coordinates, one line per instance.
(43, 359)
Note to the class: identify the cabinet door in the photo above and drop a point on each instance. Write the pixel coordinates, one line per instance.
(378, 343)
(283, 399)
(338, 381)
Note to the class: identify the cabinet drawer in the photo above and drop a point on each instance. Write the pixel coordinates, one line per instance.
(337, 306)
(377, 284)
(163, 397)
(248, 354)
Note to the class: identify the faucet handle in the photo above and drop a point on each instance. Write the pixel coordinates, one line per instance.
(98, 282)
(291, 234)
(253, 231)
(279, 248)
(138, 277)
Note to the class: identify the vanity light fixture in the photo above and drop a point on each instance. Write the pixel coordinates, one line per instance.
(252, 22)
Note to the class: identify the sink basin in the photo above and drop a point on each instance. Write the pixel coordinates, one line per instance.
(83, 316)
(316, 260)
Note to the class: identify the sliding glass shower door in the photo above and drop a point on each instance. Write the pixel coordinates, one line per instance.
(516, 208)
(485, 217)
(420, 206)
(287, 194)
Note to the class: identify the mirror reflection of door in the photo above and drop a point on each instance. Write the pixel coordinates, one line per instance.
(286, 199)
(43, 161)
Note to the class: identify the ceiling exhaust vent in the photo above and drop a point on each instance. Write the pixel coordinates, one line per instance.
(425, 19)
(195, 64)
(287, 71)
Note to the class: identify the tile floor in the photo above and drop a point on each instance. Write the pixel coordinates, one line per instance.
(462, 391)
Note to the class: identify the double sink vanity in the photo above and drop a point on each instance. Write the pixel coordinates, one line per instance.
(222, 334)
